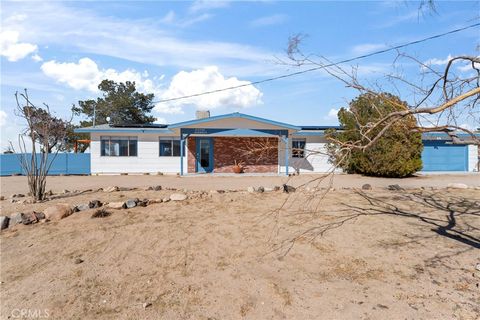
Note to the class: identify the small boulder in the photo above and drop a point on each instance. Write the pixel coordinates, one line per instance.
(153, 201)
(260, 189)
(15, 218)
(268, 189)
(58, 211)
(251, 189)
(2, 198)
(95, 204)
(131, 203)
(178, 196)
(394, 187)
(66, 191)
(17, 195)
(4, 221)
(157, 188)
(82, 207)
(110, 189)
(366, 186)
(457, 186)
(147, 188)
(288, 189)
(117, 205)
(78, 260)
(29, 218)
(39, 215)
(165, 199)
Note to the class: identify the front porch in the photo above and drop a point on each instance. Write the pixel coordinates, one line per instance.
(217, 151)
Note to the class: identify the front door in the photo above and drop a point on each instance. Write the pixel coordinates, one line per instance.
(204, 154)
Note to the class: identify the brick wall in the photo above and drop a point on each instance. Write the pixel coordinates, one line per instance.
(257, 154)
(191, 155)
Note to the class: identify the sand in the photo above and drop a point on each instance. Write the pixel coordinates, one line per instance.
(345, 254)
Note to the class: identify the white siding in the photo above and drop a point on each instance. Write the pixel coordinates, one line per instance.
(472, 157)
(147, 160)
(315, 161)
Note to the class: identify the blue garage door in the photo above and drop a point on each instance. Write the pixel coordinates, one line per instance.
(439, 156)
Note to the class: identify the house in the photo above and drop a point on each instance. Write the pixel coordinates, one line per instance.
(214, 144)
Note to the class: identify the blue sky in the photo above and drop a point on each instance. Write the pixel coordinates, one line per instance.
(61, 50)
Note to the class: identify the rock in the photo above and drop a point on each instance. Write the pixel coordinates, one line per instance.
(66, 191)
(142, 203)
(457, 186)
(17, 195)
(147, 188)
(146, 305)
(58, 211)
(268, 189)
(78, 260)
(49, 193)
(477, 266)
(82, 207)
(153, 201)
(4, 221)
(288, 189)
(366, 186)
(157, 188)
(251, 189)
(15, 218)
(39, 215)
(178, 196)
(276, 188)
(116, 205)
(95, 204)
(165, 199)
(111, 189)
(131, 203)
(29, 218)
(2, 198)
(260, 189)
(394, 187)
(13, 200)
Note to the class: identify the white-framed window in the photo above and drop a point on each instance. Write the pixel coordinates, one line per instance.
(169, 147)
(117, 146)
(298, 148)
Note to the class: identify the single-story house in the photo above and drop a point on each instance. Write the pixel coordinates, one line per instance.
(214, 144)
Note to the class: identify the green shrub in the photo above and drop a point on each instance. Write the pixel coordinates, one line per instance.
(397, 153)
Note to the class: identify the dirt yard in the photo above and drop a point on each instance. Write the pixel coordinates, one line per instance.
(312, 254)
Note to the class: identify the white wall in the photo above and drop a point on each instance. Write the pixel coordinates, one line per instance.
(316, 160)
(146, 161)
(472, 157)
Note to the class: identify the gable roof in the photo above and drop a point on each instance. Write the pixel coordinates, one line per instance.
(233, 115)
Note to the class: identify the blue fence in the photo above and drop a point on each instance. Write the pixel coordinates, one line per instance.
(63, 163)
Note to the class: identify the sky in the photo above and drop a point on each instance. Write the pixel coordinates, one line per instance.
(61, 50)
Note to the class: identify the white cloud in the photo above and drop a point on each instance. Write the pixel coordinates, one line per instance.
(12, 49)
(203, 80)
(3, 118)
(204, 5)
(138, 40)
(160, 120)
(37, 58)
(169, 17)
(367, 48)
(438, 62)
(86, 75)
(269, 20)
(332, 114)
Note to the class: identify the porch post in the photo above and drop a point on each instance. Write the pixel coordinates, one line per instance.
(286, 154)
(182, 143)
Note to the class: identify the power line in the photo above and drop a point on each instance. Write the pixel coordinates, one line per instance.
(323, 66)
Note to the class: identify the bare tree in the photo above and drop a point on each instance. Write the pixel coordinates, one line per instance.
(441, 99)
(43, 132)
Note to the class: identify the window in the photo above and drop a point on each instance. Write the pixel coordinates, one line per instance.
(298, 148)
(118, 146)
(170, 147)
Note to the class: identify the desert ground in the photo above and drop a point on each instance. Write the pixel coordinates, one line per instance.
(329, 250)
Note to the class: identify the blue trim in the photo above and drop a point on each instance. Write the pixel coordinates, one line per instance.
(120, 130)
(309, 133)
(233, 132)
(233, 115)
(198, 167)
